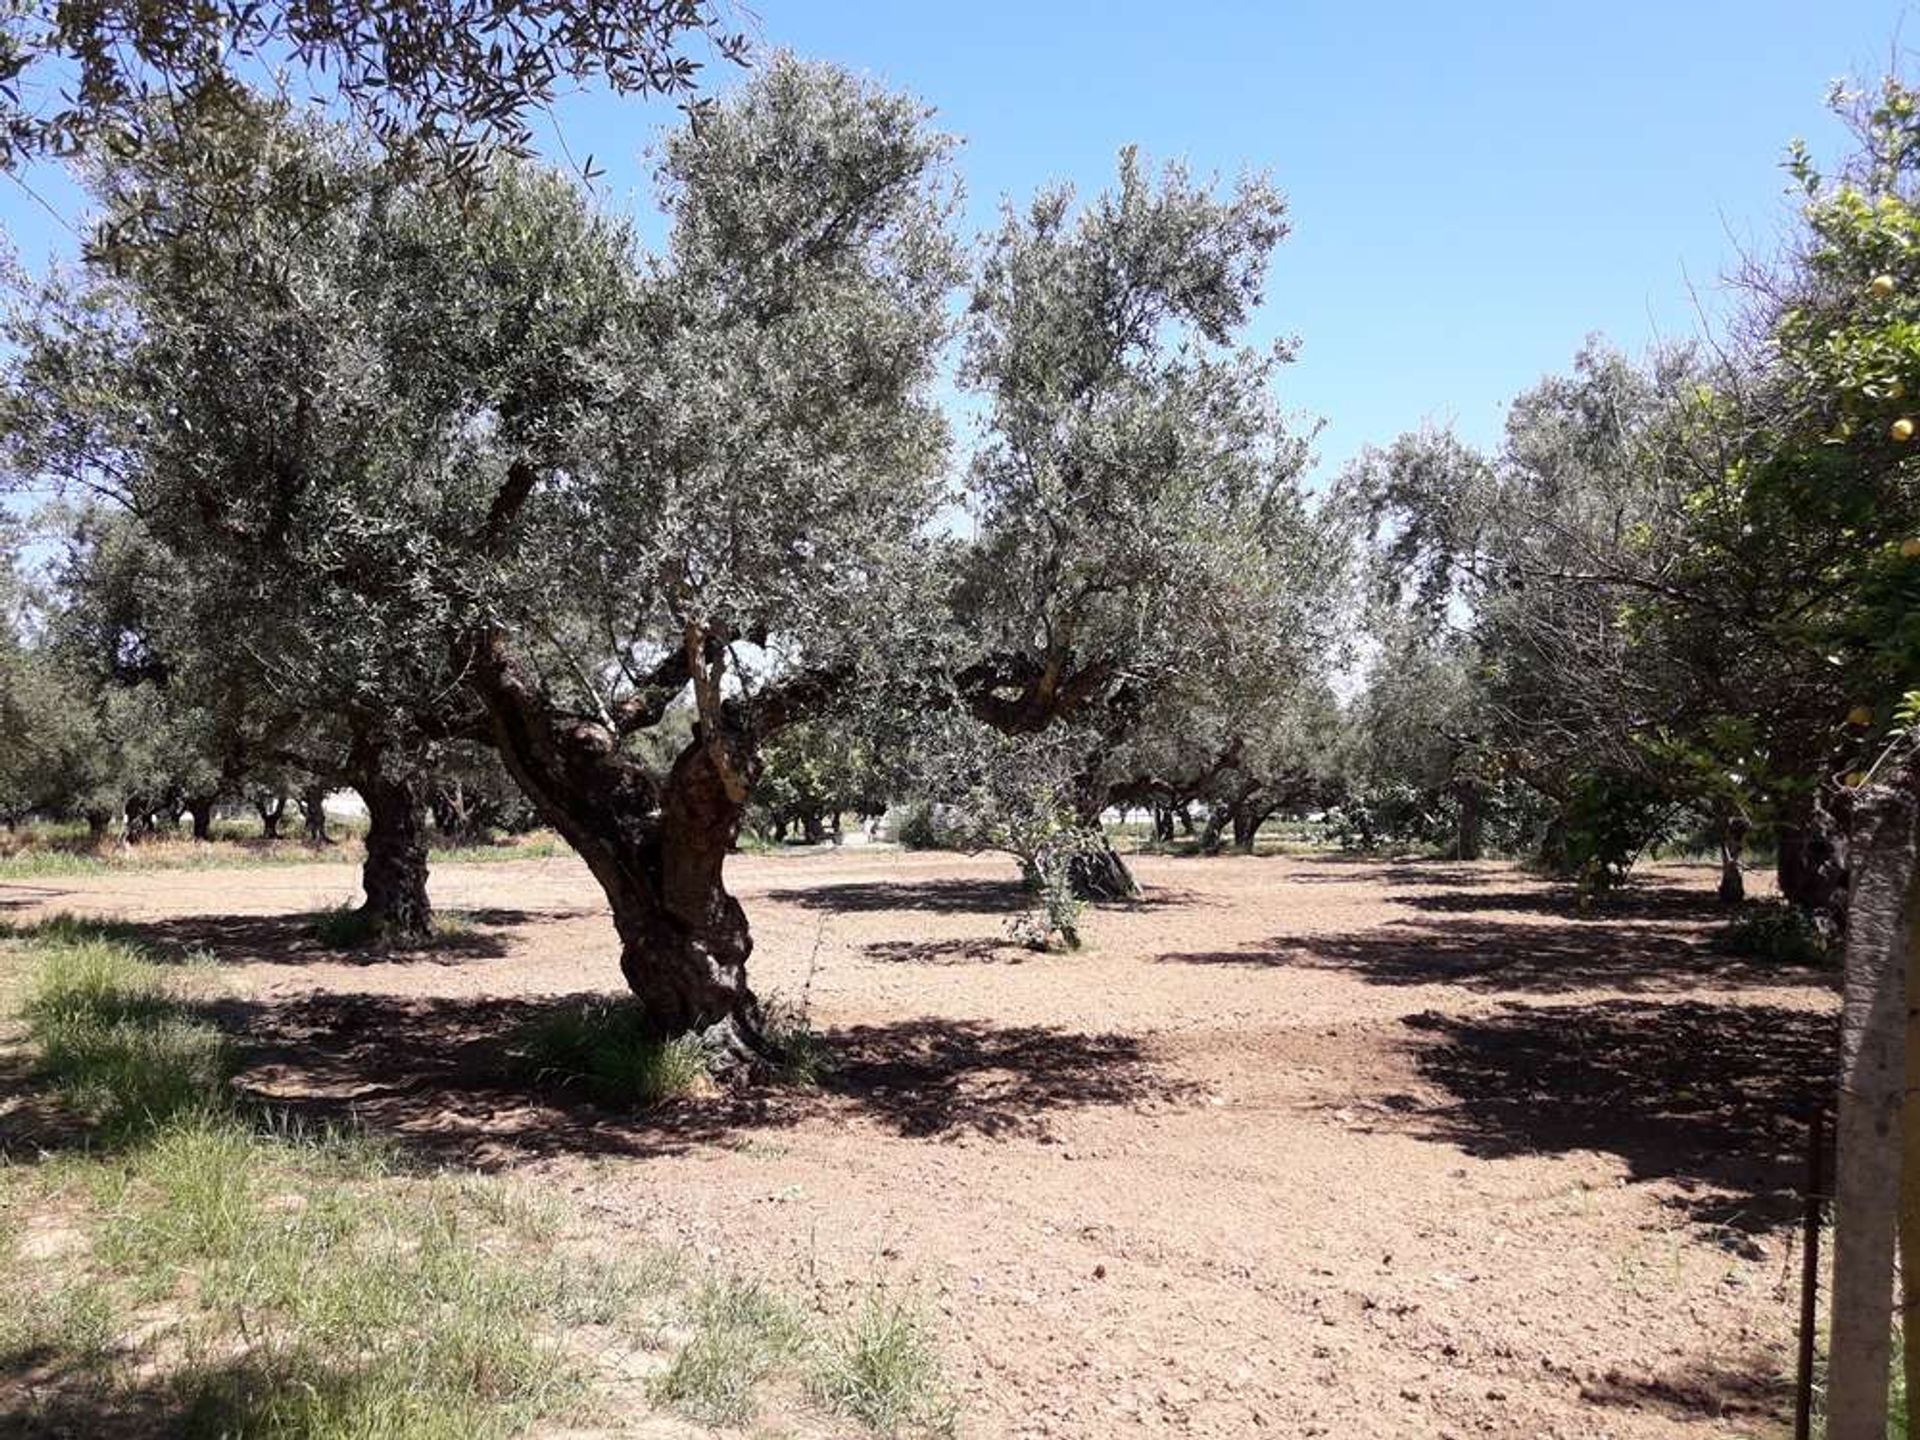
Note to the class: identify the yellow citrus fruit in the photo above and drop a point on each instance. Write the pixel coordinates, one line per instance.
(1881, 285)
(1901, 430)
(1860, 715)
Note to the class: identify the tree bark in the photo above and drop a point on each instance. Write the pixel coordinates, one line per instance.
(97, 823)
(1812, 863)
(657, 847)
(200, 807)
(394, 873)
(1869, 1125)
(1909, 1224)
(1243, 829)
(313, 810)
(1733, 840)
(1098, 872)
(271, 812)
(1467, 841)
(1162, 824)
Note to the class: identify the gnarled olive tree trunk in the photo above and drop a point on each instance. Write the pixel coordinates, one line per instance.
(271, 812)
(1812, 862)
(313, 810)
(1097, 872)
(1733, 840)
(200, 807)
(657, 847)
(394, 873)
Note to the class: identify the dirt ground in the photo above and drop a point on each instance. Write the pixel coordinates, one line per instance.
(1296, 1146)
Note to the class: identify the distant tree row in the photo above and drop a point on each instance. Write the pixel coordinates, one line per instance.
(1682, 595)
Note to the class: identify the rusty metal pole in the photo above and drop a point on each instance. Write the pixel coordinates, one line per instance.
(1809, 1278)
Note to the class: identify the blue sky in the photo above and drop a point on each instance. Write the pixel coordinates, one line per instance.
(1473, 187)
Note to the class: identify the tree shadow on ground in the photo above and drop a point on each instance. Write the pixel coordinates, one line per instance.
(968, 950)
(942, 896)
(1518, 957)
(1756, 1389)
(1364, 870)
(1641, 902)
(1712, 1097)
(948, 896)
(297, 939)
(439, 1077)
(28, 897)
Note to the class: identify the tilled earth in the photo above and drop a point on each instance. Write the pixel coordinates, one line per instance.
(1294, 1147)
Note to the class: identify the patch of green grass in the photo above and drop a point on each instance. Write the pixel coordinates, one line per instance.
(603, 1048)
(73, 1322)
(64, 850)
(537, 845)
(112, 1035)
(1776, 933)
(346, 926)
(882, 1369)
(224, 1272)
(805, 1058)
(741, 1333)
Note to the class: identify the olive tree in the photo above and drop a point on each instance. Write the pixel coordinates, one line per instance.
(741, 519)
(451, 77)
(1137, 490)
(477, 466)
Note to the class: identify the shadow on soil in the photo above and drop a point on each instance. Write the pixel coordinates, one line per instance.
(1654, 940)
(1668, 1068)
(437, 1076)
(297, 939)
(1754, 1390)
(941, 896)
(1712, 1097)
(968, 950)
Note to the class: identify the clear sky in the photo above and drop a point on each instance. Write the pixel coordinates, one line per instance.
(1474, 187)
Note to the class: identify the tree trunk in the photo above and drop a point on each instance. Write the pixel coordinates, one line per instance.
(271, 812)
(811, 827)
(1812, 864)
(1733, 840)
(313, 810)
(200, 807)
(394, 873)
(657, 848)
(1098, 872)
(1869, 1129)
(1246, 828)
(1909, 1224)
(1162, 824)
(97, 823)
(1210, 833)
(1467, 841)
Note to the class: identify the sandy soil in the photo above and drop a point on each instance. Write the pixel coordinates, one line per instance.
(1296, 1147)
